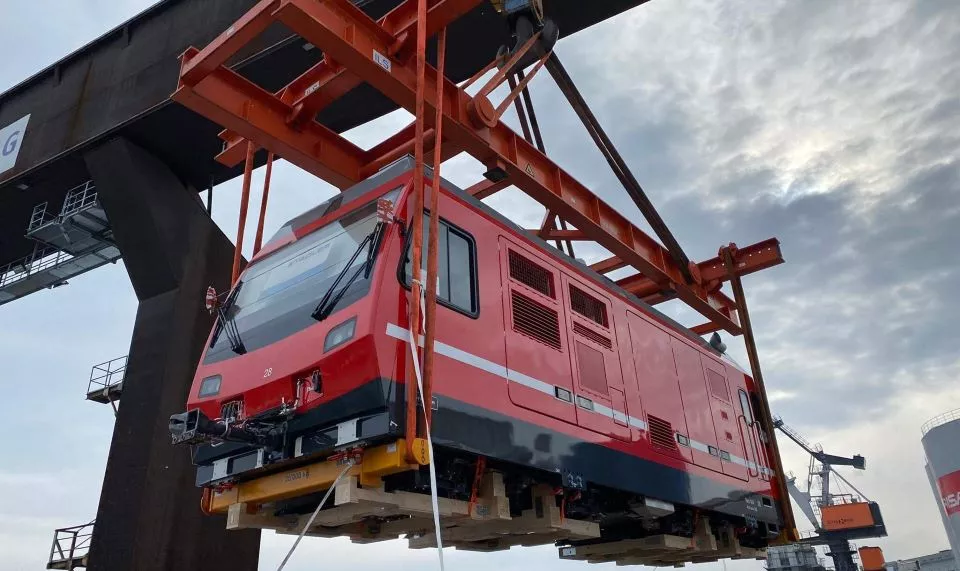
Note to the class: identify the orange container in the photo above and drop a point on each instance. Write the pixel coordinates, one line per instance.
(846, 516)
(871, 558)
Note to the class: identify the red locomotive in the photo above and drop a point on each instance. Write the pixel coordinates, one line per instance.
(546, 369)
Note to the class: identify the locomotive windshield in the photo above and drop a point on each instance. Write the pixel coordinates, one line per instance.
(278, 294)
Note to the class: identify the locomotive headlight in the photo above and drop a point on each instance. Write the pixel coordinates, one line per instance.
(340, 334)
(209, 386)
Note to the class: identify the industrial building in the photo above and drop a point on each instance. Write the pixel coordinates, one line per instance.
(941, 446)
(939, 561)
(795, 557)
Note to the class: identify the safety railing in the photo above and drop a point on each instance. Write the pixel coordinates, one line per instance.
(39, 217)
(78, 198)
(938, 420)
(41, 259)
(107, 374)
(70, 546)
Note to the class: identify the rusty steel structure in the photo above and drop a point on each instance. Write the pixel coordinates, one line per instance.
(389, 54)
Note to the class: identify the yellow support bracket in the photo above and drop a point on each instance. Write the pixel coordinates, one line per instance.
(376, 463)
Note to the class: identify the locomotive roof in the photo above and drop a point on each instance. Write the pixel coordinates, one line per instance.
(405, 164)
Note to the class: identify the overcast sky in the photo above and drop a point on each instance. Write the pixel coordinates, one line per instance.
(833, 126)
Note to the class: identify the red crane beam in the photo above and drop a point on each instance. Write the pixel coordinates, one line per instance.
(747, 260)
(344, 34)
(255, 114)
(362, 46)
(327, 81)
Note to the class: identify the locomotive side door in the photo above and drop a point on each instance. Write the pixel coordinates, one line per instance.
(538, 361)
(726, 420)
(696, 407)
(598, 380)
(658, 386)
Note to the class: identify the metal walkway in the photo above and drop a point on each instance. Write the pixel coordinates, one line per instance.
(106, 381)
(75, 240)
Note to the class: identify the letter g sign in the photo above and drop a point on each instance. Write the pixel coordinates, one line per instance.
(11, 143)
(11, 140)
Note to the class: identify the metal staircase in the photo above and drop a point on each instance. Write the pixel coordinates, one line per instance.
(70, 242)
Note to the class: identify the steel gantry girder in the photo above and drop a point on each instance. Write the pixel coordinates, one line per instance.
(357, 48)
(328, 81)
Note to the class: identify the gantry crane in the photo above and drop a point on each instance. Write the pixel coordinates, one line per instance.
(836, 517)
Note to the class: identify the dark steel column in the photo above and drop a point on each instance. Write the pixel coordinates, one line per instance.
(149, 515)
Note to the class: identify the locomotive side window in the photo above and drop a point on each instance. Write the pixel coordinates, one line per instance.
(456, 267)
(745, 407)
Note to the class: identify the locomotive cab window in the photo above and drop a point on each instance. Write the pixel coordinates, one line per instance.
(278, 294)
(745, 407)
(456, 267)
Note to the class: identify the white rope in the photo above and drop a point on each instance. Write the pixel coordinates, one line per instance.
(433, 466)
(350, 464)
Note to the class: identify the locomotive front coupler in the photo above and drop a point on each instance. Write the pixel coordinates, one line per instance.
(193, 427)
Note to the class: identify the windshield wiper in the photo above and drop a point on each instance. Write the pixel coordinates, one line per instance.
(329, 299)
(228, 326)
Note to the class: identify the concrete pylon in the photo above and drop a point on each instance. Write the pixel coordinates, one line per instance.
(149, 514)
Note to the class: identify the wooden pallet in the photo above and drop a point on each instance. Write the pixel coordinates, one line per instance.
(367, 514)
(666, 550)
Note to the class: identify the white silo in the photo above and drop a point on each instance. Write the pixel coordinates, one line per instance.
(941, 445)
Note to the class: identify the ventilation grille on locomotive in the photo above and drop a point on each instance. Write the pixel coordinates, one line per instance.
(535, 320)
(661, 433)
(592, 335)
(588, 306)
(530, 274)
(718, 385)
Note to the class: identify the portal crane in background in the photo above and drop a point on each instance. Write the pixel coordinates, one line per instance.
(836, 517)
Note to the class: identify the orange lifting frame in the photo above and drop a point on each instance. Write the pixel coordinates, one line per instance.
(386, 55)
(358, 48)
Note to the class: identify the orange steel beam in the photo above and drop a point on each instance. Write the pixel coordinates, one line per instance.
(608, 265)
(747, 260)
(486, 188)
(227, 44)
(730, 258)
(258, 240)
(429, 330)
(256, 114)
(401, 144)
(327, 81)
(359, 44)
(241, 224)
(557, 234)
(347, 41)
(705, 328)
(416, 225)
